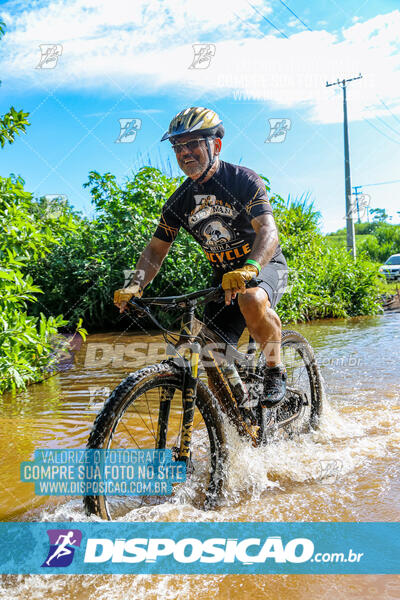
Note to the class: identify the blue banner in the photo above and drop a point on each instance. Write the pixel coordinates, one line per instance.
(86, 472)
(200, 548)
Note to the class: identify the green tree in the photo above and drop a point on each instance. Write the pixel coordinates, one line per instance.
(13, 122)
(26, 342)
(380, 215)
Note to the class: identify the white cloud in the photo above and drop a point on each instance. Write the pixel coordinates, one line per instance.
(293, 23)
(146, 46)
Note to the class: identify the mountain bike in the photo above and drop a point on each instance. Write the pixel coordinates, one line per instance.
(188, 402)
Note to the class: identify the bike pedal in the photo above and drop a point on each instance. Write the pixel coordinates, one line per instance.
(272, 406)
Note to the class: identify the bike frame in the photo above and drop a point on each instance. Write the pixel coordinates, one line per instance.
(256, 427)
(193, 342)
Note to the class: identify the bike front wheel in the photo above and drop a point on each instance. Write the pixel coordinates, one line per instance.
(145, 412)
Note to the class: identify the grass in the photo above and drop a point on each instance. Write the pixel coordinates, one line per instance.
(385, 287)
(339, 241)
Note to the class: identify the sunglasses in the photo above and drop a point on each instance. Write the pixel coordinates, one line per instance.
(191, 145)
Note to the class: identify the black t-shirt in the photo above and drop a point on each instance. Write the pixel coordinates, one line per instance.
(218, 214)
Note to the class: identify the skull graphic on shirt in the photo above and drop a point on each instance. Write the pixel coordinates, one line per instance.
(216, 232)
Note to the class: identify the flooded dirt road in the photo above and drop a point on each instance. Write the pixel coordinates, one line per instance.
(347, 471)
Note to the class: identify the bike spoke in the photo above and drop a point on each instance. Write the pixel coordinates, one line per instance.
(130, 435)
(145, 424)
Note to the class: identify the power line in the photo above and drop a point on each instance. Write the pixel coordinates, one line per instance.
(393, 115)
(293, 13)
(381, 132)
(248, 24)
(268, 21)
(386, 125)
(380, 183)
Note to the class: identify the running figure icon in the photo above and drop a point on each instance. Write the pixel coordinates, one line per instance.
(63, 543)
(62, 549)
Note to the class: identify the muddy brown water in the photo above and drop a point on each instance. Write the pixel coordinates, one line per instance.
(359, 436)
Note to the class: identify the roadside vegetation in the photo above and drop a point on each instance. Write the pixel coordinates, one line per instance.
(377, 240)
(27, 342)
(80, 274)
(59, 268)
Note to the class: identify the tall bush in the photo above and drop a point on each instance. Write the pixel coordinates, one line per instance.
(25, 341)
(386, 241)
(80, 275)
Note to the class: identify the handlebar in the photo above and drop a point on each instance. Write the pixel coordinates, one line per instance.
(141, 305)
(207, 293)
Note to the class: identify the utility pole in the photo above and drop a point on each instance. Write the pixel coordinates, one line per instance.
(351, 245)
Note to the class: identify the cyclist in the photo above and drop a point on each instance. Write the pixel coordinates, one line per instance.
(226, 209)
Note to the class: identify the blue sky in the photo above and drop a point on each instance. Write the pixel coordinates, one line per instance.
(124, 60)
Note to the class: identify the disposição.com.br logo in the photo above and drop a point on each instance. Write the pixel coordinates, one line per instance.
(213, 550)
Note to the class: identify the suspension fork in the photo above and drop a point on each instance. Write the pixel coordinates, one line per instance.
(190, 371)
(189, 400)
(162, 427)
(190, 379)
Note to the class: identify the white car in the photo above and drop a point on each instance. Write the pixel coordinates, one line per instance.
(391, 268)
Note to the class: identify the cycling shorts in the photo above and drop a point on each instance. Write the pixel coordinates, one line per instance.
(228, 321)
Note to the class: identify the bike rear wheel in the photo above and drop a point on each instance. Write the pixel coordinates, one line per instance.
(145, 412)
(301, 409)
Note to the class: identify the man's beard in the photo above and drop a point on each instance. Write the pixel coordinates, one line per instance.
(192, 168)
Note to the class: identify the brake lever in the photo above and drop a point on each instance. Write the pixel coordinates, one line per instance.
(219, 292)
(136, 308)
(254, 282)
(214, 295)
